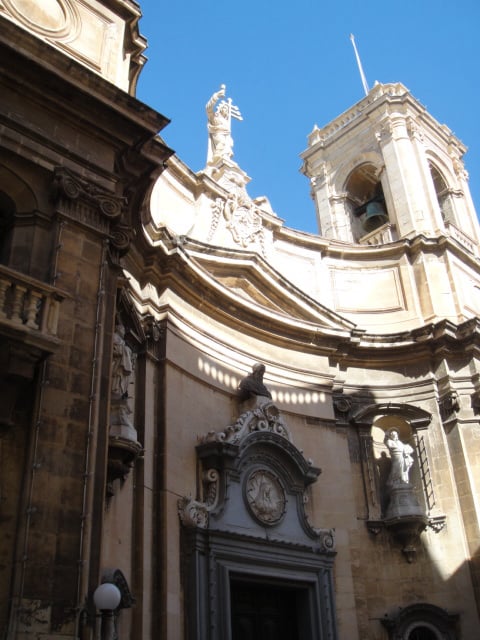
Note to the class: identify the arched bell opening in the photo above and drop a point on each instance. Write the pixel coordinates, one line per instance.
(366, 200)
(443, 194)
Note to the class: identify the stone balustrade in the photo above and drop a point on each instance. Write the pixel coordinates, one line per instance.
(28, 303)
(381, 235)
(462, 238)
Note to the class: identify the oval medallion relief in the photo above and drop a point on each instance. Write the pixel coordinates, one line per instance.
(49, 18)
(265, 496)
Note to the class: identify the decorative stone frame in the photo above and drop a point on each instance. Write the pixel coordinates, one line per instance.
(251, 525)
(211, 560)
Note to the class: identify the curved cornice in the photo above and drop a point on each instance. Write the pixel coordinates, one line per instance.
(241, 290)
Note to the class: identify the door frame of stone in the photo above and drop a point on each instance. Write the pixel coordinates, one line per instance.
(213, 559)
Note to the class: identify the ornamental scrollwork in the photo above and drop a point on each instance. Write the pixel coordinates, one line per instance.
(68, 185)
(265, 417)
(217, 210)
(326, 539)
(193, 513)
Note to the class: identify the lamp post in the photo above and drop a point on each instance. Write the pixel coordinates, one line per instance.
(107, 597)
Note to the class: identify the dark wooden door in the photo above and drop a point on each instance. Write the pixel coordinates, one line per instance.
(263, 612)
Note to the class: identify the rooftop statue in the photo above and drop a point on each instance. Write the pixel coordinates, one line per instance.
(220, 142)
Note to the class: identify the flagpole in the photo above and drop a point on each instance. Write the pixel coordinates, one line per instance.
(360, 68)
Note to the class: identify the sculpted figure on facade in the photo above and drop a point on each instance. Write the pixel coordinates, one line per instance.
(252, 385)
(122, 368)
(220, 142)
(401, 457)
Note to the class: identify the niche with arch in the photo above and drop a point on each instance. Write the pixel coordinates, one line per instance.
(399, 489)
(383, 458)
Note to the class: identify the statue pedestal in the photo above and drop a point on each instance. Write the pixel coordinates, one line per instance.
(121, 425)
(403, 502)
(123, 446)
(405, 518)
(228, 174)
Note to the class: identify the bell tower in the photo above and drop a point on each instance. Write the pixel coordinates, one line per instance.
(386, 169)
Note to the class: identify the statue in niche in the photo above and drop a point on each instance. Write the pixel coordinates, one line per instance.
(220, 142)
(401, 457)
(122, 368)
(252, 385)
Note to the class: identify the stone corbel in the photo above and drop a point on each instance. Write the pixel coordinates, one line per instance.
(449, 407)
(436, 523)
(407, 530)
(120, 239)
(154, 333)
(122, 455)
(342, 406)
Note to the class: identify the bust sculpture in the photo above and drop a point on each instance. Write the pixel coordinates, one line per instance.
(252, 385)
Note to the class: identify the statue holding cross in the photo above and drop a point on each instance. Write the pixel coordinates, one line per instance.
(220, 142)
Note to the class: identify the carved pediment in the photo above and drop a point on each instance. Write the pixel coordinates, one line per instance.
(254, 478)
(249, 280)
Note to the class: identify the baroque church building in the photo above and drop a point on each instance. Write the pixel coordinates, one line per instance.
(215, 427)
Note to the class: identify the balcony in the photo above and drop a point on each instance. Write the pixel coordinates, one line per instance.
(29, 310)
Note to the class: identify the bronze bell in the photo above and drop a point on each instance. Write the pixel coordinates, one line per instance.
(375, 215)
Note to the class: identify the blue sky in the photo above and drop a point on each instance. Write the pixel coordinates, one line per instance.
(290, 65)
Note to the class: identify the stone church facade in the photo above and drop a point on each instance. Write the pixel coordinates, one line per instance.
(249, 431)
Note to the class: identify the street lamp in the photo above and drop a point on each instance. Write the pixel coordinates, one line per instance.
(107, 597)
